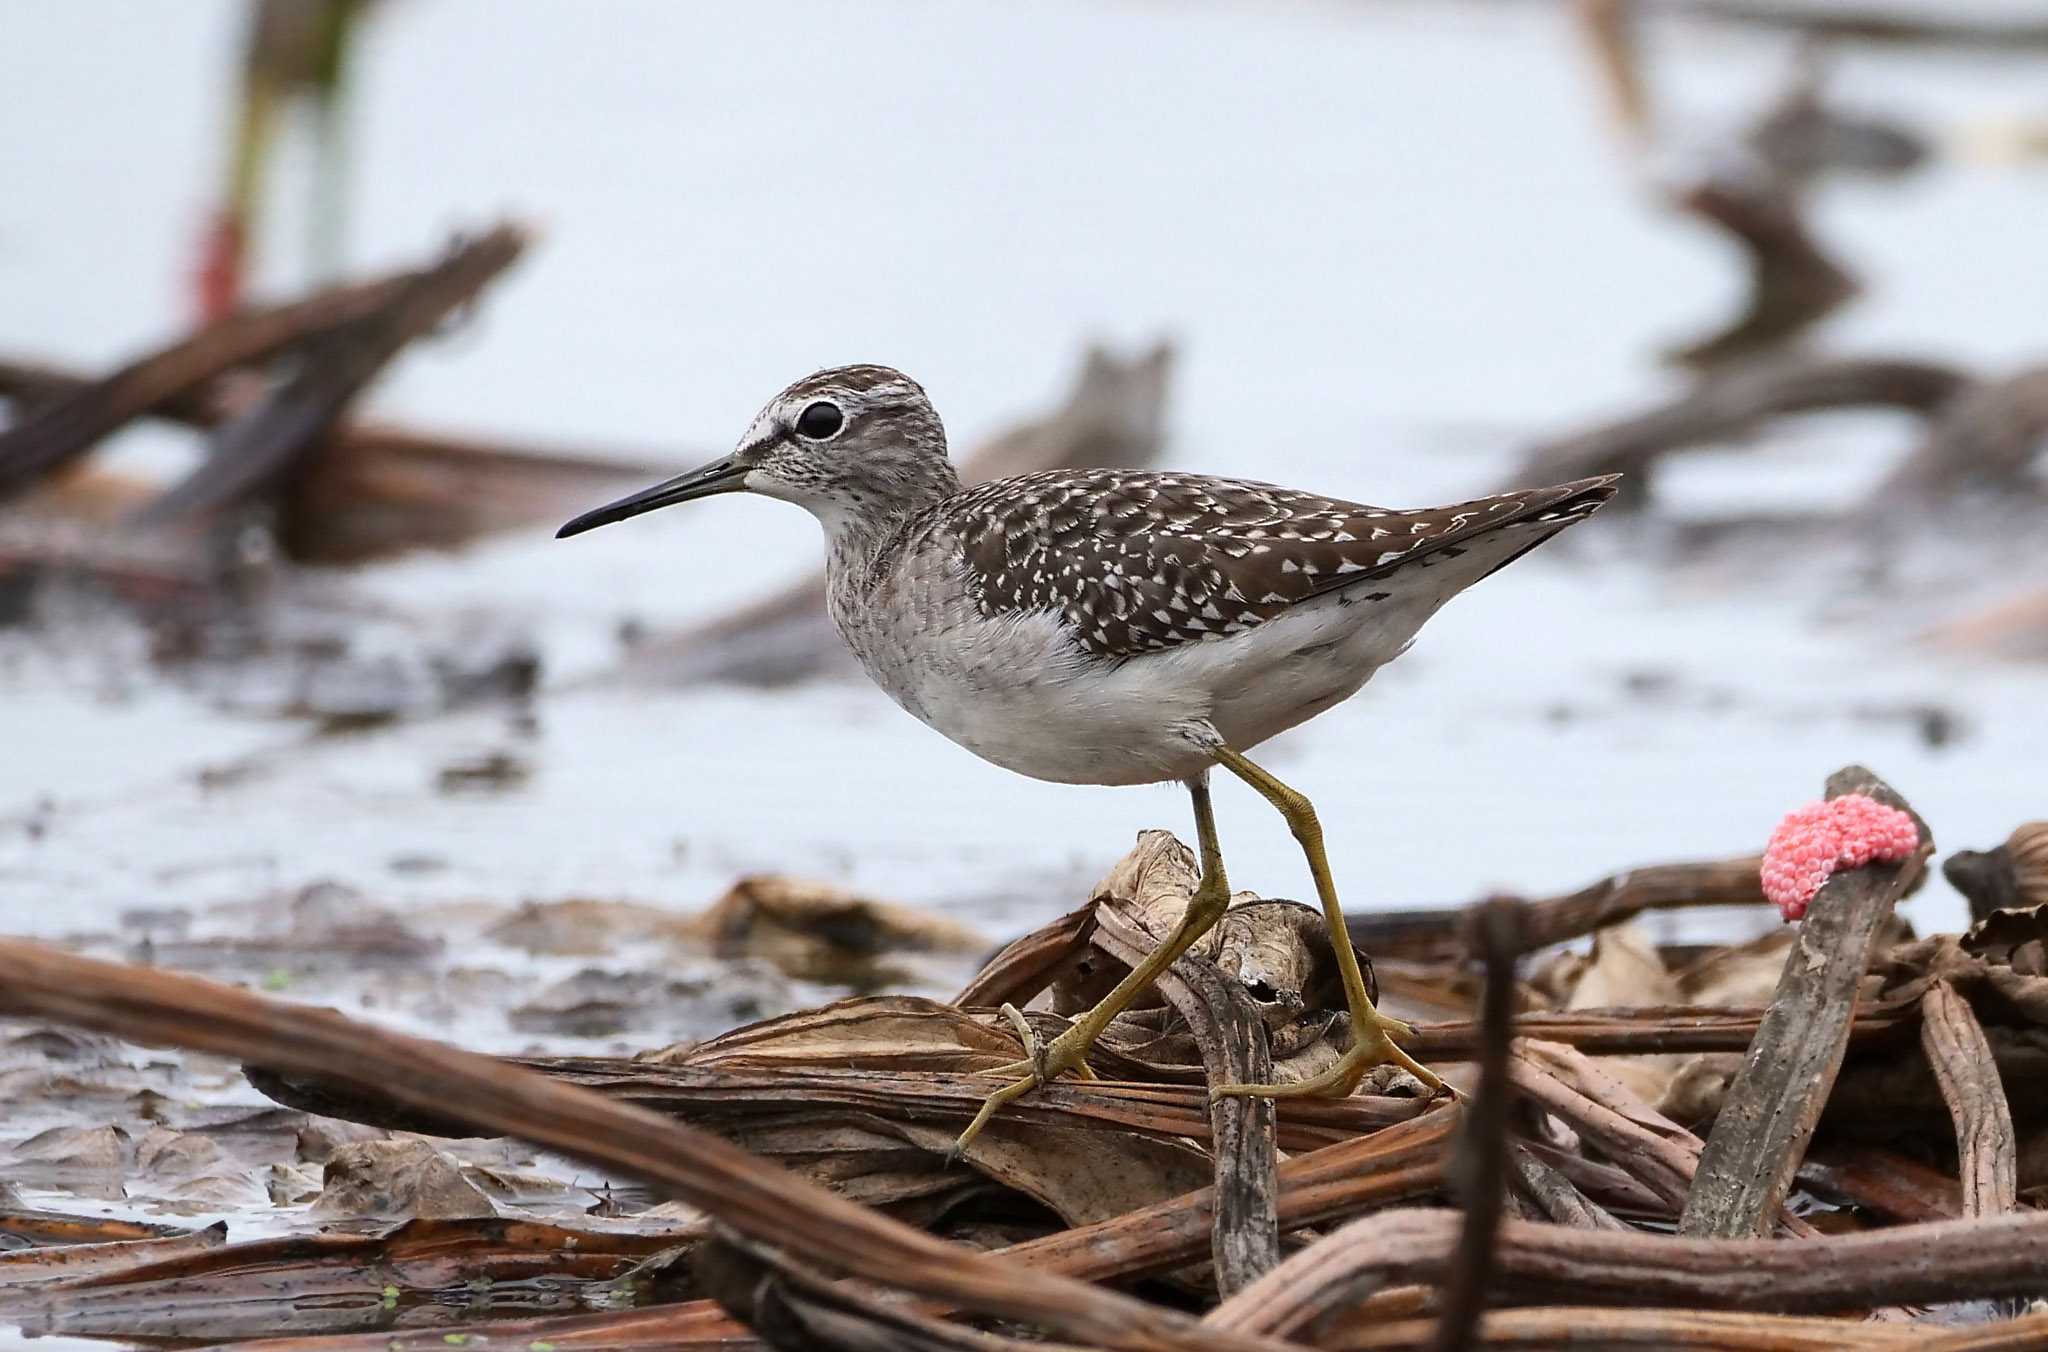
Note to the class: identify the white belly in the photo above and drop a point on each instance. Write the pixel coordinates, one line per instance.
(1020, 695)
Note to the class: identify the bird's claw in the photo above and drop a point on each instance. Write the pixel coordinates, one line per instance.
(1372, 1044)
(1034, 1050)
(1044, 1063)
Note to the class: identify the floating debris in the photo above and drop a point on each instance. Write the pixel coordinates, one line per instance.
(1617, 1094)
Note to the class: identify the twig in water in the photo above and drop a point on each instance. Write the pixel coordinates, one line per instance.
(1555, 1195)
(1986, 1148)
(1227, 1028)
(1907, 1264)
(257, 449)
(1480, 1166)
(73, 420)
(757, 1198)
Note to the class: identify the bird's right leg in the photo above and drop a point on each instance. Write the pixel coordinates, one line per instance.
(1372, 1033)
(1069, 1051)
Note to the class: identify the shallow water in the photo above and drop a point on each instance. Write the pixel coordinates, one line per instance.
(1395, 243)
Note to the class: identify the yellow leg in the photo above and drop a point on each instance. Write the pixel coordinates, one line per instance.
(1069, 1051)
(1372, 1033)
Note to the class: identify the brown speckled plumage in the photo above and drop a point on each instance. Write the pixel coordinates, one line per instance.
(1136, 561)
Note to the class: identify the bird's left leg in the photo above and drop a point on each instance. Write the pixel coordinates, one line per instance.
(1372, 1033)
(1069, 1051)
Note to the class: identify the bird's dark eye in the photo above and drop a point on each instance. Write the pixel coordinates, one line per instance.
(820, 421)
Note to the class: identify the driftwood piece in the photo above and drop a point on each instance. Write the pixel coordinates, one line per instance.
(1555, 920)
(1961, 1057)
(1553, 1194)
(1232, 1038)
(1796, 139)
(788, 1306)
(1985, 440)
(257, 450)
(1631, 1032)
(1916, 1264)
(734, 1095)
(1934, 25)
(1333, 1183)
(1794, 282)
(1662, 1158)
(64, 423)
(31, 386)
(1720, 882)
(1580, 1326)
(1479, 1168)
(1404, 1162)
(1655, 1151)
(1612, 1187)
(1114, 415)
(1803, 137)
(685, 1326)
(877, 1055)
(270, 442)
(70, 1261)
(1596, 1032)
(1732, 405)
(258, 1287)
(372, 490)
(1776, 1100)
(756, 1198)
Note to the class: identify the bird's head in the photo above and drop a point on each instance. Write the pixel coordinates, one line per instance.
(853, 445)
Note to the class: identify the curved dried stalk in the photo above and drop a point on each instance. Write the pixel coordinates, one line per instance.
(1910, 1264)
(754, 1197)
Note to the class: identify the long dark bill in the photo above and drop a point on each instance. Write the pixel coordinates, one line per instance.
(720, 476)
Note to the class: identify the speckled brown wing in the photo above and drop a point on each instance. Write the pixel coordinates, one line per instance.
(1137, 561)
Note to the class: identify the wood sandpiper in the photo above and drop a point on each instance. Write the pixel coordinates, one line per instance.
(1115, 626)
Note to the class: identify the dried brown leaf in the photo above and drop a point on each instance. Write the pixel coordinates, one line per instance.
(881, 1032)
(817, 932)
(405, 1177)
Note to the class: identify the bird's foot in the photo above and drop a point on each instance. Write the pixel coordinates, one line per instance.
(1045, 1061)
(1372, 1044)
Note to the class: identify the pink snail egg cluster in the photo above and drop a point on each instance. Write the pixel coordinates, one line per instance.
(1815, 840)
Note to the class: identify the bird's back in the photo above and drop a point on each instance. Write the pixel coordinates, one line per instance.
(1139, 561)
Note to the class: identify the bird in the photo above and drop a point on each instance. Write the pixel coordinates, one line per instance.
(1115, 626)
